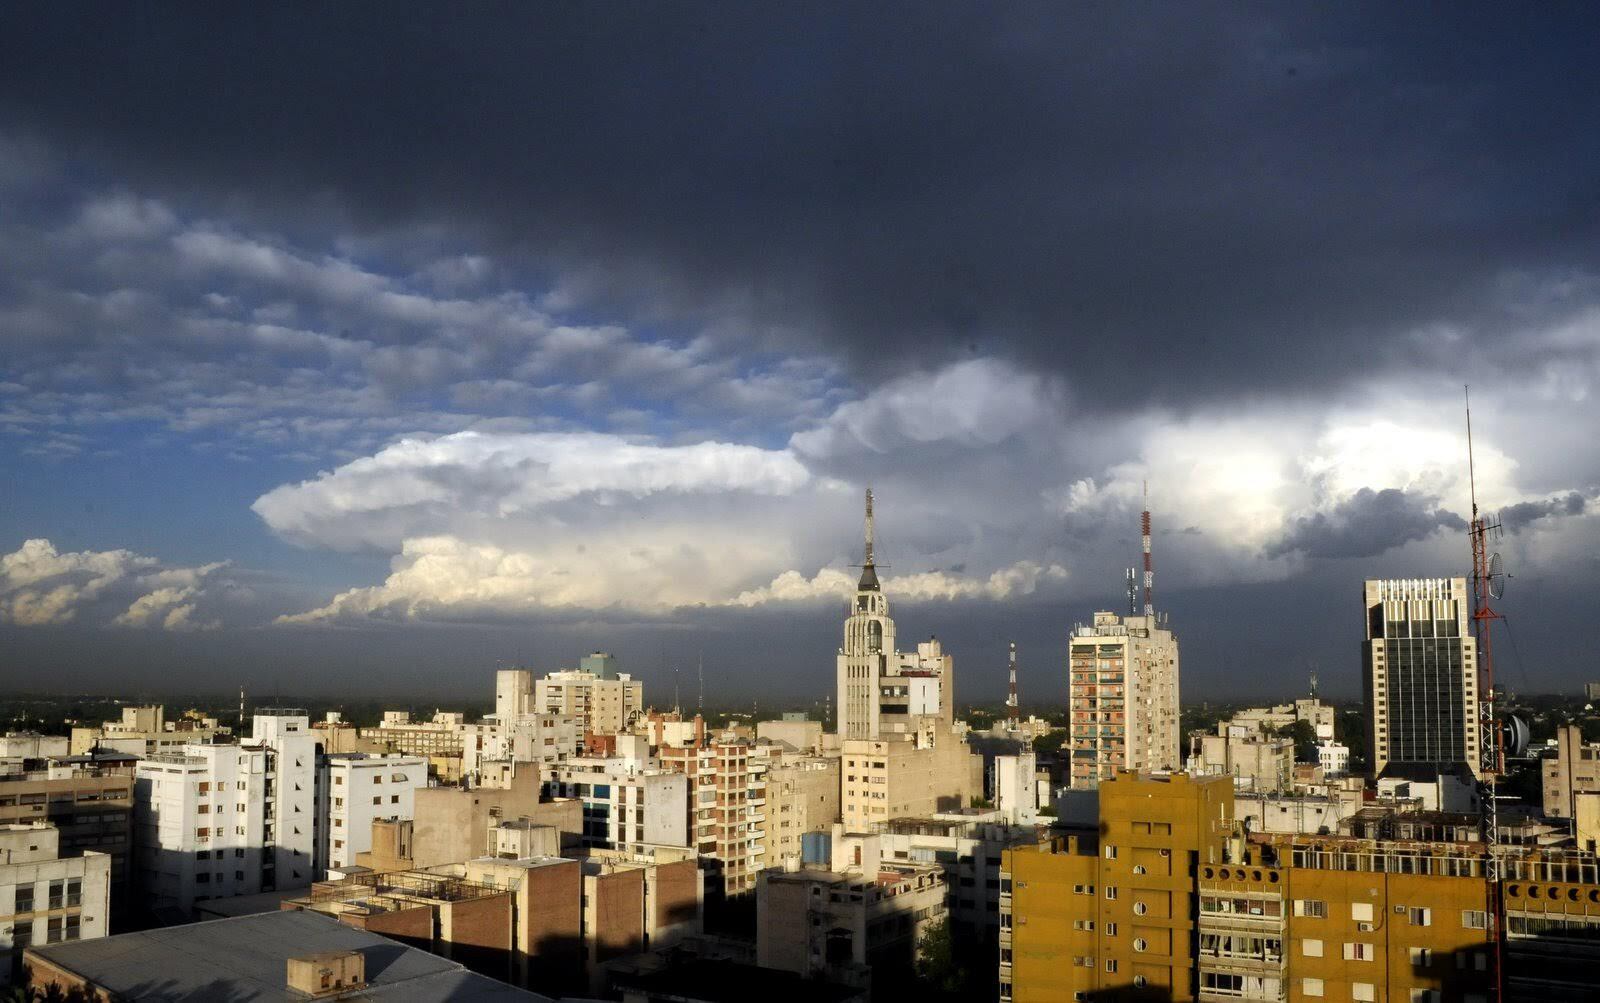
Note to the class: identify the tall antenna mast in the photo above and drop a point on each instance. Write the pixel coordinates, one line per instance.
(1012, 711)
(1133, 592)
(700, 672)
(1149, 568)
(1486, 582)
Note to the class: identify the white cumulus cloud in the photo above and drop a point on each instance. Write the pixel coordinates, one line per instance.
(41, 586)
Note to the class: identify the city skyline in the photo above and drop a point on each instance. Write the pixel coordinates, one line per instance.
(587, 333)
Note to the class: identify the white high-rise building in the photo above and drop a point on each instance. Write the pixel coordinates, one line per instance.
(513, 694)
(1124, 691)
(213, 821)
(883, 691)
(358, 789)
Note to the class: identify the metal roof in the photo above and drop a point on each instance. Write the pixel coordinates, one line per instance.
(245, 959)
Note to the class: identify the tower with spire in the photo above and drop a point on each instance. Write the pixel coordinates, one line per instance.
(881, 689)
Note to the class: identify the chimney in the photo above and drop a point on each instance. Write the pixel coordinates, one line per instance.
(328, 973)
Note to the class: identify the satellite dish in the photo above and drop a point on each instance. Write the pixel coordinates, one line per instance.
(1497, 577)
(1514, 736)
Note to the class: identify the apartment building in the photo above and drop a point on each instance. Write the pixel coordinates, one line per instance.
(626, 805)
(46, 898)
(146, 731)
(1281, 717)
(1256, 761)
(356, 790)
(802, 796)
(28, 746)
(896, 776)
(603, 705)
(216, 821)
(1420, 676)
(728, 797)
(89, 802)
(1123, 674)
(967, 845)
(857, 923)
(1571, 773)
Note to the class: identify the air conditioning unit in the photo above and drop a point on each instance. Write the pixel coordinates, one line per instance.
(1365, 927)
(1399, 910)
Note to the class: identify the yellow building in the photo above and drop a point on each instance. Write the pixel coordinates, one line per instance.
(1087, 915)
(1107, 915)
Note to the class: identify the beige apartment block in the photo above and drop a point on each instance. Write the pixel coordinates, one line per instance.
(895, 777)
(803, 795)
(728, 797)
(1420, 674)
(1573, 772)
(1123, 674)
(46, 898)
(603, 706)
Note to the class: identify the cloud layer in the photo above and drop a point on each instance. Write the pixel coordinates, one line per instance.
(40, 586)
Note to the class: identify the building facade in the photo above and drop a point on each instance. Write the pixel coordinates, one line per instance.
(1573, 771)
(1123, 674)
(1420, 675)
(603, 705)
(728, 797)
(358, 789)
(46, 898)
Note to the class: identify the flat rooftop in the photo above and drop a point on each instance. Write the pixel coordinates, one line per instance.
(246, 959)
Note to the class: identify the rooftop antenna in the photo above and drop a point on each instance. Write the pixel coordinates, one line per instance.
(700, 672)
(675, 704)
(1011, 701)
(1488, 582)
(1149, 568)
(1313, 684)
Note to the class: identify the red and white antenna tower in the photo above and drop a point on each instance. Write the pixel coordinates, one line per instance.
(1487, 582)
(1149, 568)
(1012, 711)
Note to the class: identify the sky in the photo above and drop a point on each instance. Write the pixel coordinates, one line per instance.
(363, 349)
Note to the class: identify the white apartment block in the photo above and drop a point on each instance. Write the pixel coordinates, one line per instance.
(45, 898)
(356, 790)
(1421, 674)
(626, 806)
(215, 821)
(1123, 674)
(1014, 785)
(603, 706)
(728, 795)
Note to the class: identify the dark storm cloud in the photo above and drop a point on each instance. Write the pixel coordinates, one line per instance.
(1367, 524)
(1519, 516)
(1258, 196)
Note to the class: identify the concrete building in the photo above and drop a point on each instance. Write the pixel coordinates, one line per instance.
(794, 732)
(46, 898)
(1573, 771)
(30, 745)
(452, 824)
(1096, 911)
(290, 955)
(802, 796)
(1591, 691)
(883, 691)
(89, 802)
(1282, 717)
(602, 705)
(968, 846)
(1255, 760)
(728, 796)
(452, 747)
(895, 776)
(215, 821)
(1420, 674)
(1333, 758)
(1014, 785)
(356, 790)
(1124, 697)
(625, 805)
(146, 731)
(857, 923)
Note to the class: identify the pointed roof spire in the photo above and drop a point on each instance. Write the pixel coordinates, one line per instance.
(869, 570)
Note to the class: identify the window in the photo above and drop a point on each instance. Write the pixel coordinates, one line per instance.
(24, 898)
(1311, 948)
(1361, 912)
(1421, 957)
(1140, 944)
(74, 891)
(377, 799)
(1139, 982)
(1111, 965)
(1425, 996)
(53, 930)
(1363, 991)
(1420, 917)
(1111, 853)
(1139, 908)
(1474, 919)
(1358, 952)
(1311, 987)
(1111, 929)
(74, 922)
(1111, 892)
(377, 778)
(338, 781)
(394, 799)
(58, 892)
(1312, 908)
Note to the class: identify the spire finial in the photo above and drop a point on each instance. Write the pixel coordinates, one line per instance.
(868, 560)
